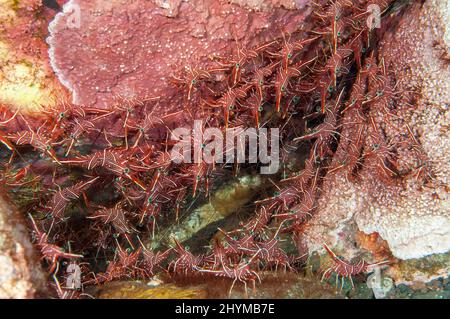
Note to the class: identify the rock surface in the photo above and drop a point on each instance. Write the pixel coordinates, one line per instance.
(273, 285)
(21, 275)
(140, 290)
(225, 201)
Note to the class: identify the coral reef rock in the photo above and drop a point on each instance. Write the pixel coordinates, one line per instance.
(21, 275)
(140, 290)
(223, 202)
(282, 285)
(413, 218)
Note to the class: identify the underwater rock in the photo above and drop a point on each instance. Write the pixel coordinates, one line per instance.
(140, 290)
(415, 271)
(223, 202)
(103, 49)
(414, 219)
(27, 81)
(281, 285)
(21, 275)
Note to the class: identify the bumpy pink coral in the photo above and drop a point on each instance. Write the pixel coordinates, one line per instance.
(414, 220)
(101, 49)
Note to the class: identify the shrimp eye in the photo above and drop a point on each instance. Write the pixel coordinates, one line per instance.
(187, 248)
(126, 170)
(261, 82)
(230, 107)
(282, 88)
(289, 55)
(141, 130)
(260, 108)
(338, 33)
(193, 81)
(238, 65)
(330, 89)
(276, 193)
(150, 200)
(61, 115)
(48, 147)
